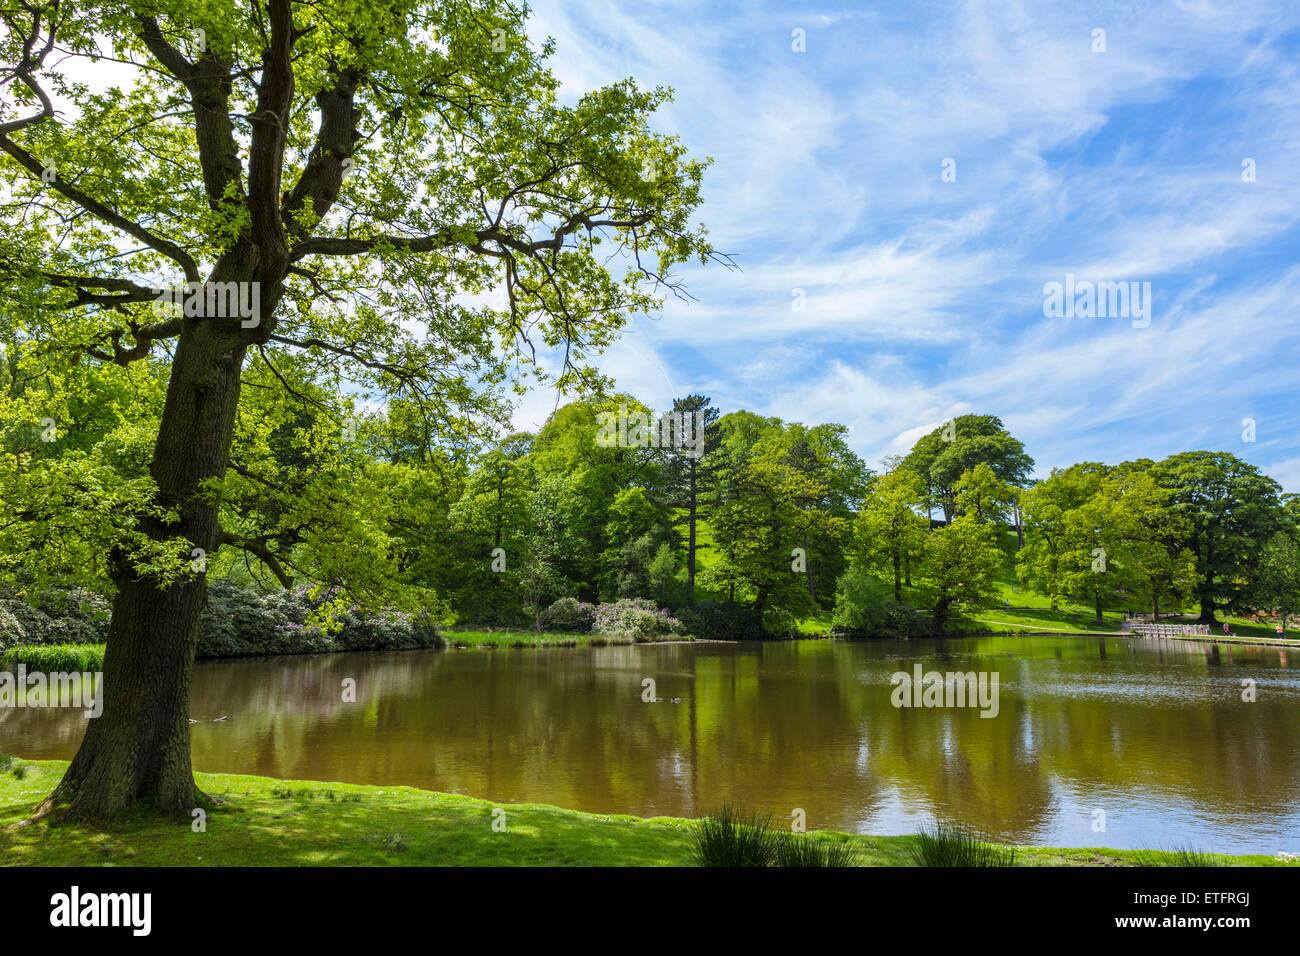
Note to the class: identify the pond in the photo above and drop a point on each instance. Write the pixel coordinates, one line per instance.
(1119, 742)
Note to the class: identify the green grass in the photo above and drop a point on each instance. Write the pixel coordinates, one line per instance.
(1031, 611)
(1181, 856)
(818, 624)
(1246, 627)
(55, 658)
(506, 638)
(303, 823)
(815, 849)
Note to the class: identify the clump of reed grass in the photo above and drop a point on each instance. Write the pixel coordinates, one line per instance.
(954, 844)
(1180, 855)
(728, 837)
(800, 849)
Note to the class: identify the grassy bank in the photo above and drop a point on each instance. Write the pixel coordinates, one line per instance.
(304, 823)
(55, 658)
(507, 638)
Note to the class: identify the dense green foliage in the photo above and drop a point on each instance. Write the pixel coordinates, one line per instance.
(52, 616)
(860, 605)
(237, 620)
(559, 532)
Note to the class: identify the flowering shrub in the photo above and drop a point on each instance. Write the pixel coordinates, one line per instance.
(636, 616)
(242, 621)
(58, 616)
(237, 621)
(11, 629)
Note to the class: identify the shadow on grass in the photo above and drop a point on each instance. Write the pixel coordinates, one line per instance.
(1046, 617)
(268, 823)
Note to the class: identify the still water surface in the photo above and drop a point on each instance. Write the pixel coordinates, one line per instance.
(1153, 733)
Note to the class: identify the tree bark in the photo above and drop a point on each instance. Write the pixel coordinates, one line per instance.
(690, 547)
(807, 570)
(1208, 608)
(138, 750)
(940, 616)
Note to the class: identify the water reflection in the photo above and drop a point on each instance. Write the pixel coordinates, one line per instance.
(1154, 733)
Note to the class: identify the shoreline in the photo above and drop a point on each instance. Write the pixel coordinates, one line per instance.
(272, 822)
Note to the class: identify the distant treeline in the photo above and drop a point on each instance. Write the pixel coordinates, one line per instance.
(738, 524)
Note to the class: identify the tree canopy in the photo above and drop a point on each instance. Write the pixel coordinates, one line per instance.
(344, 203)
(942, 456)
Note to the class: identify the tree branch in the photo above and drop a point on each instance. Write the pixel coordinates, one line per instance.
(144, 337)
(209, 84)
(258, 548)
(103, 212)
(270, 122)
(320, 182)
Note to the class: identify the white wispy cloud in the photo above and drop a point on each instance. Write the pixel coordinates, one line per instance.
(923, 298)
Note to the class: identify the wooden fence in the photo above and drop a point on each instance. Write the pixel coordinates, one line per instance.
(1172, 630)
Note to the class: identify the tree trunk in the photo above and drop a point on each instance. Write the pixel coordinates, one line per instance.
(807, 570)
(940, 616)
(898, 578)
(690, 546)
(138, 750)
(1097, 606)
(1207, 612)
(1208, 606)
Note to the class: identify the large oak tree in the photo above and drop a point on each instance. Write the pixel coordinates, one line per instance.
(396, 187)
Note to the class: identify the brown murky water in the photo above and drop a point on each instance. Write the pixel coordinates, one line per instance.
(1154, 734)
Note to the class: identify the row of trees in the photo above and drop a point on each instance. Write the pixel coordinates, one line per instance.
(1200, 529)
(767, 513)
(759, 516)
(772, 514)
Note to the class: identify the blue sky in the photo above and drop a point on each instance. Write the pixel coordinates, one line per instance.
(924, 298)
